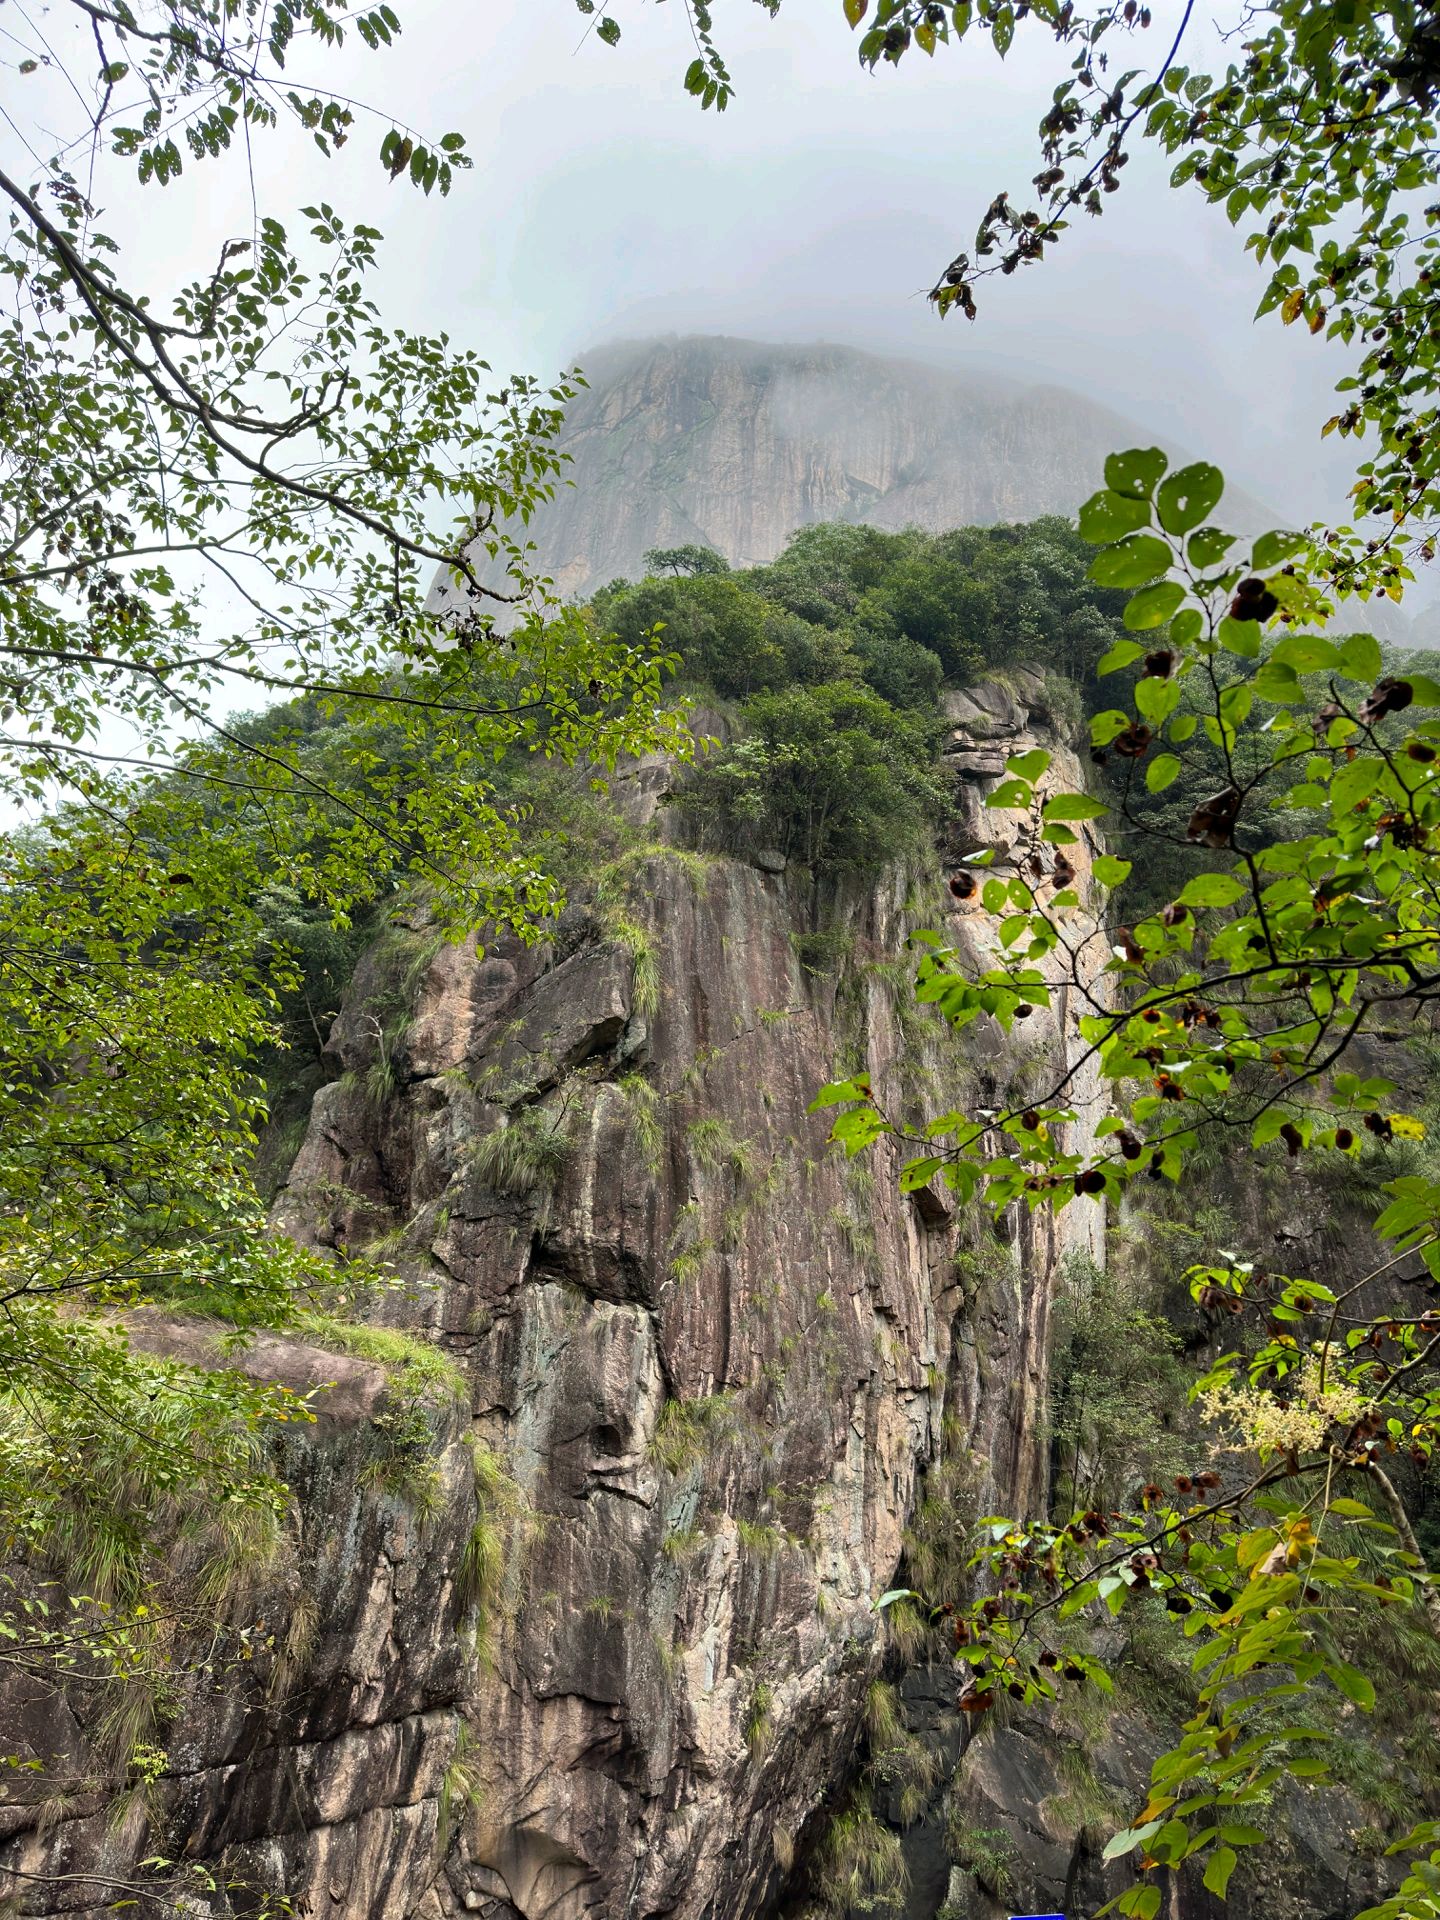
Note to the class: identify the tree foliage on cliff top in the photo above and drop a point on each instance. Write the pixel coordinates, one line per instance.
(837, 653)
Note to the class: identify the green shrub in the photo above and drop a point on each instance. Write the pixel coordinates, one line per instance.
(833, 776)
(523, 1156)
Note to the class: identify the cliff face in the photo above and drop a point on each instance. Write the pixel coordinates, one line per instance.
(714, 1361)
(295, 1737)
(714, 1357)
(735, 444)
(599, 1641)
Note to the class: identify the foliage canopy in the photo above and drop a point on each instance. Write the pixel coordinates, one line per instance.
(1308, 926)
(225, 492)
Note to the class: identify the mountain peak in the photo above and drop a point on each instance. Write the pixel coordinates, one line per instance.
(733, 444)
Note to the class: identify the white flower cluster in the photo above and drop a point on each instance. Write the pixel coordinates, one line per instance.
(1297, 1425)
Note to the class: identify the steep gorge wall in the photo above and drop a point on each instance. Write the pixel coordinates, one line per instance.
(715, 1362)
(714, 1357)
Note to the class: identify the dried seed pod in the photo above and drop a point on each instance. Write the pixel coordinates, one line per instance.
(1134, 742)
(1213, 822)
(1386, 696)
(1253, 600)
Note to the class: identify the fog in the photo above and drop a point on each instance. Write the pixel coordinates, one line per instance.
(603, 204)
(820, 205)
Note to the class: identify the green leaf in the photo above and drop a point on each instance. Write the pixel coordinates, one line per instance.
(1242, 1836)
(1129, 1838)
(919, 1173)
(1354, 783)
(1106, 726)
(836, 1091)
(1271, 549)
(1028, 766)
(1110, 871)
(1161, 771)
(1277, 683)
(1157, 699)
(1140, 1903)
(1239, 636)
(1131, 563)
(1218, 1869)
(1153, 606)
(1122, 654)
(1011, 793)
(1136, 472)
(1073, 806)
(1306, 653)
(1108, 516)
(1189, 496)
(1208, 547)
(1360, 657)
(1352, 1683)
(1211, 890)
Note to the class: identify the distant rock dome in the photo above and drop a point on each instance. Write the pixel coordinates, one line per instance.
(733, 444)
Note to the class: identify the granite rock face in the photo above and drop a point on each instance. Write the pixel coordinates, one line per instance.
(734, 444)
(301, 1739)
(714, 1356)
(707, 1362)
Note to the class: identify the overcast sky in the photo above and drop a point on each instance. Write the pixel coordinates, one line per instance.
(604, 203)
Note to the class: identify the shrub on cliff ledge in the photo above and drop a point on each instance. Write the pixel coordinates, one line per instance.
(833, 776)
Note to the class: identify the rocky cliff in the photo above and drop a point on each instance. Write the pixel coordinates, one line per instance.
(591, 1635)
(707, 1367)
(716, 1359)
(734, 444)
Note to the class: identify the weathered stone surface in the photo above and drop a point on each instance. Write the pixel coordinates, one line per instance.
(314, 1711)
(736, 443)
(713, 1355)
(716, 1359)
